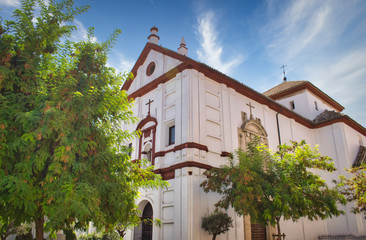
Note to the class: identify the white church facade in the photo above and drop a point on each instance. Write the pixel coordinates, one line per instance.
(192, 117)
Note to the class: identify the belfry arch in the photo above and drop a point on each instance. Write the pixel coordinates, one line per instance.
(146, 146)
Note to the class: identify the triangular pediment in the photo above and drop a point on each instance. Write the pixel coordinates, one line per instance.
(163, 60)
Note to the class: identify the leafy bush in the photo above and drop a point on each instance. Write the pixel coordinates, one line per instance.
(100, 236)
(91, 236)
(217, 223)
(111, 236)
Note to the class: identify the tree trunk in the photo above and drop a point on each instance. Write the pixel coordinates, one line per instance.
(214, 237)
(121, 233)
(278, 229)
(39, 227)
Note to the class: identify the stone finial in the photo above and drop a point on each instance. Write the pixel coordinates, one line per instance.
(154, 38)
(183, 49)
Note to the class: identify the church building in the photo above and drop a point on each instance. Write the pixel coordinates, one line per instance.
(193, 116)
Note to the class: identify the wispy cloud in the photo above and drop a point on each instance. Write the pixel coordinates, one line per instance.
(10, 3)
(120, 62)
(342, 77)
(81, 32)
(302, 25)
(210, 51)
(323, 42)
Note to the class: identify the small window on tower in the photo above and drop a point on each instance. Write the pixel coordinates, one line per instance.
(171, 135)
(129, 149)
(316, 105)
(292, 105)
(361, 157)
(148, 155)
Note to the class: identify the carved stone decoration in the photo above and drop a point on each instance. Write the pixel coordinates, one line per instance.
(249, 129)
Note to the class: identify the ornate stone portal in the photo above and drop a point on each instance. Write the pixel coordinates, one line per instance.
(250, 128)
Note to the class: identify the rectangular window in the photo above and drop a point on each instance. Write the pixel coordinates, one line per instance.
(316, 105)
(361, 157)
(171, 135)
(292, 105)
(129, 149)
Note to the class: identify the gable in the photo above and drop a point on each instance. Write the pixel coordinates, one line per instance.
(173, 63)
(155, 65)
(169, 55)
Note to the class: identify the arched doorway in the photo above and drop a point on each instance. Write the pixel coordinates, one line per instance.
(147, 228)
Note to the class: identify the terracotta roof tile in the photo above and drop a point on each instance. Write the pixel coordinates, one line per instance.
(327, 116)
(282, 87)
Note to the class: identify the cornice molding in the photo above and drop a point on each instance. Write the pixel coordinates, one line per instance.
(169, 172)
(182, 146)
(242, 89)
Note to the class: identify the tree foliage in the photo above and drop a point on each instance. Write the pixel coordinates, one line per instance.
(134, 220)
(6, 228)
(62, 149)
(270, 186)
(217, 223)
(354, 188)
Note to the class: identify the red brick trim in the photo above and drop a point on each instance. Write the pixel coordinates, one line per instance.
(151, 128)
(237, 86)
(154, 28)
(153, 35)
(169, 172)
(182, 146)
(311, 88)
(226, 154)
(145, 52)
(146, 120)
(344, 119)
(162, 79)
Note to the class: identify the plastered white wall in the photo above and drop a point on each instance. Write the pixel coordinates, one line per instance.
(208, 113)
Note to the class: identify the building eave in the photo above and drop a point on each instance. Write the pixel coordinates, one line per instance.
(313, 89)
(188, 63)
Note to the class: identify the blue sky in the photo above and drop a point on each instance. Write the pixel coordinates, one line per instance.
(322, 41)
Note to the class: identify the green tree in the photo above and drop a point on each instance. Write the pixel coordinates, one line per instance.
(63, 157)
(6, 228)
(270, 186)
(217, 223)
(354, 188)
(133, 221)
